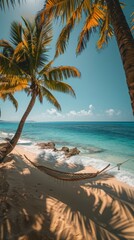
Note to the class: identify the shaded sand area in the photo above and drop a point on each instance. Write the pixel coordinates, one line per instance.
(35, 206)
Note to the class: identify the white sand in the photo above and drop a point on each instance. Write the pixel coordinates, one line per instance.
(35, 206)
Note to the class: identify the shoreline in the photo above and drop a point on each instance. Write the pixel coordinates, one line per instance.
(35, 206)
(57, 159)
(80, 161)
(100, 144)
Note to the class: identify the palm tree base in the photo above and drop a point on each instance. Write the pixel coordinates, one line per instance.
(5, 149)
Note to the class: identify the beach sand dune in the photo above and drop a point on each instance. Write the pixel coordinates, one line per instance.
(35, 206)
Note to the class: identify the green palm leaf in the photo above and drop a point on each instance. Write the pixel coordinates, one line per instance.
(63, 38)
(8, 3)
(92, 22)
(60, 73)
(106, 32)
(5, 96)
(16, 33)
(25, 67)
(6, 44)
(59, 86)
(20, 69)
(46, 67)
(49, 96)
(53, 8)
(42, 40)
(13, 100)
(12, 84)
(7, 66)
(102, 16)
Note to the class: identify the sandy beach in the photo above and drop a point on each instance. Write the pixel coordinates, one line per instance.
(35, 206)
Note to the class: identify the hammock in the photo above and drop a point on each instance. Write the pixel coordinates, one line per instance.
(65, 175)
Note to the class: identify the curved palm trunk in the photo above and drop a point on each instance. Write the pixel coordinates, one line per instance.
(125, 43)
(8, 147)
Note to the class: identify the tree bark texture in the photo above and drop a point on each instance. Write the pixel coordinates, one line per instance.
(125, 43)
(9, 146)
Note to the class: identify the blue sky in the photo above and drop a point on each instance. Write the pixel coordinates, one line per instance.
(101, 92)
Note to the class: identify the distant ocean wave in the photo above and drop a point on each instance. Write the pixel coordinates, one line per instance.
(4, 136)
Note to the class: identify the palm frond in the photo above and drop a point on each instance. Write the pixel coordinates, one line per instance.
(29, 37)
(8, 3)
(132, 21)
(63, 39)
(13, 100)
(5, 96)
(7, 66)
(49, 96)
(29, 44)
(59, 86)
(29, 25)
(92, 22)
(7, 48)
(42, 40)
(16, 33)
(18, 54)
(6, 44)
(11, 84)
(65, 33)
(46, 68)
(20, 69)
(62, 72)
(40, 96)
(58, 8)
(106, 32)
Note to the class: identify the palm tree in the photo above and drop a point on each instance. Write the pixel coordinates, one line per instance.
(8, 87)
(4, 3)
(24, 64)
(132, 21)
(106, 16)
(3, 94)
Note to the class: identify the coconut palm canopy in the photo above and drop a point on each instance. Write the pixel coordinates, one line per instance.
(24, 63)
(4, 93)
(24, 66)
(72, 12)
(103, 16)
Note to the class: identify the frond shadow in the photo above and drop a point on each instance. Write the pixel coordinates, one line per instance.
(89, 209)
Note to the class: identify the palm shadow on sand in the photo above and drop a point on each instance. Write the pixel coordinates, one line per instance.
(35, 206)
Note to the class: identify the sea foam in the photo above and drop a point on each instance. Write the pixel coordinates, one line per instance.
(48, 155)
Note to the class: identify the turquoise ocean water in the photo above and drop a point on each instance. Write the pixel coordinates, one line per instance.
(99, 142)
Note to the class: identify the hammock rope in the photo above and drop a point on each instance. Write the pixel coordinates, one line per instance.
(66, 176)
(118, 165)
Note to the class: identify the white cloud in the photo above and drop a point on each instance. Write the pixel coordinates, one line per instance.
(91, 107)
(81, 113)
(53, 115)
(112, 112)
(53, 112)
(72, 113)
(88, 114)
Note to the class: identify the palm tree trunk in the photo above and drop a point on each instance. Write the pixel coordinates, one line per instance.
(8, 147)
(125, 43)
